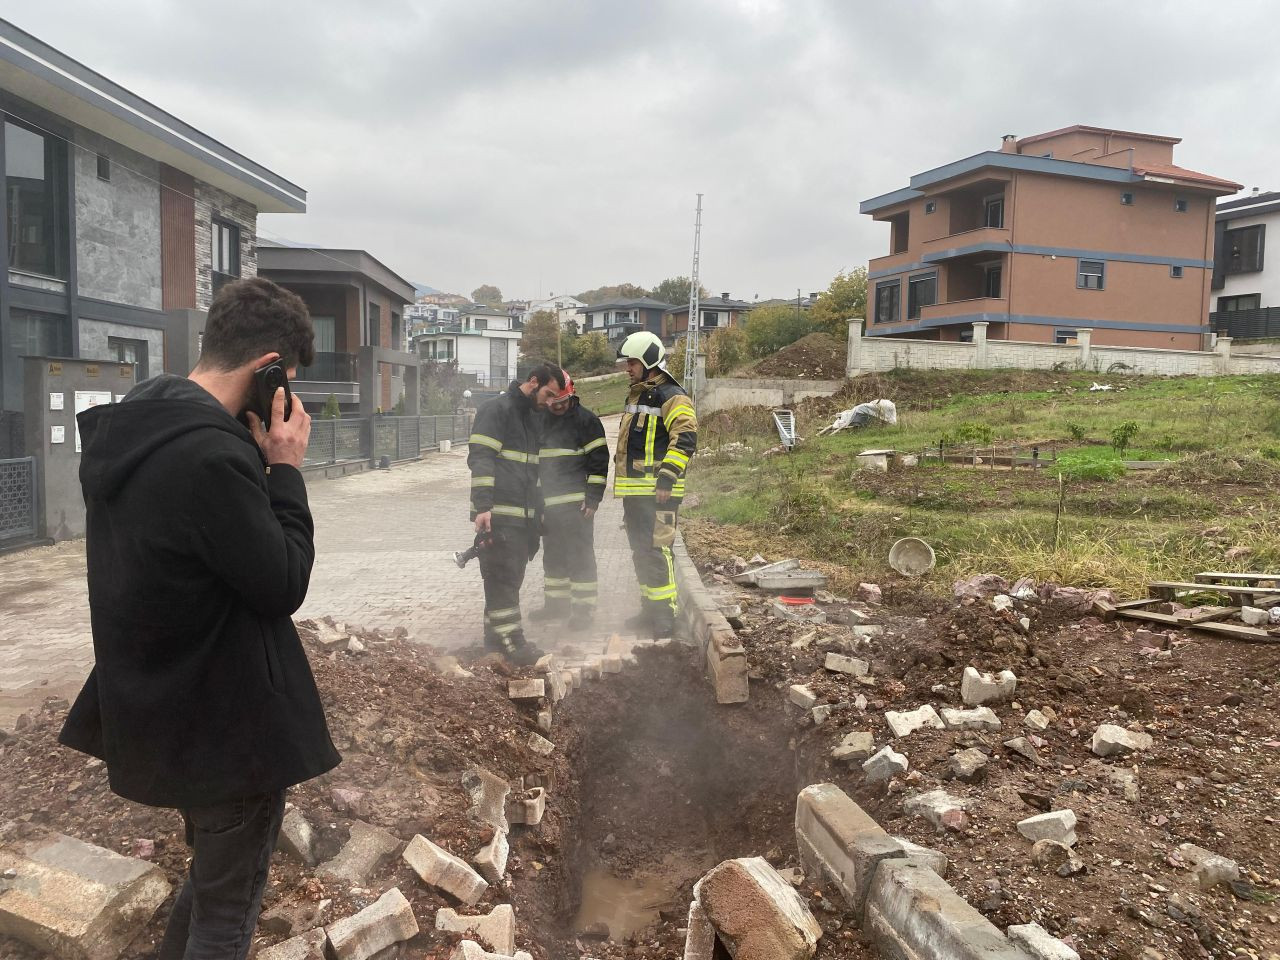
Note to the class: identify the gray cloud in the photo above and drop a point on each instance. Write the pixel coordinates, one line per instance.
(558, 145)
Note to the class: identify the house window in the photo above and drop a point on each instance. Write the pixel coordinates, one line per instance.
(481, 323)
(397, 332)
(35, 197)
(104, 167)
(30, 334)
(1065, 336)
(710, 319)
(1126, 198)
(888, 301)
(1091, 275)
(1244, 249)
(930, 206)
(921, 292)
(375, 325)
(129, 351)
(993, 212)
(1246, 301)
(991, 281)
(224, 244)
(1175, 271)
(1180, 204)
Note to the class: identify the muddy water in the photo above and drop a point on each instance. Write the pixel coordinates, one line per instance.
(628, 905)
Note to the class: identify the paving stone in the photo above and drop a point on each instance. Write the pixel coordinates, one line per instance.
(700, 935)
(386, 921)
(838, 663)
(491, 861)
(306, 946)
(367, 849)
(1057, 825)
(439, 868)
(1038, 942)
(979, 688)
(906, 722)
(497, 928)
(541, 745)
(297, 838)
(839, 841)
(528, 808)
(855, 746)
(526, 689)
(802, 696)
(939, 808)
(488, 794)
(1110, 740)
(884, 765)
(968, 766)
(75, 900)
(756, 913)
(727, 666)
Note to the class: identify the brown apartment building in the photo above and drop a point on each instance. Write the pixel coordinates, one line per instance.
(1082, 227)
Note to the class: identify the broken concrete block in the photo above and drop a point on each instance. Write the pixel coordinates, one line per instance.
(593, 669)
(544, 720)
(906, 722)
(867, 630)
(526, 689)
(491, 861)
(470, 950)
(935, 860)
(386, 921)
(528, 809)
(1110, 740)
(805, 613)
(884, 765)
(75, 900)
(802, 696)
(497, 929)
(1038, 942)
(979, 718)
(727, 666)
(488, 794)
(1209, 868)
(1057, 825)
(297, 839)
(838, 663)
(611, 665)
(757, 914)
(1025, 749)
(439, 868)
(700, 935)
(839, 841)
(307, 946)
(979, 688)
(541, 745)
(1255, 616)
(968, 766)
(855, 746)
(938, 807)
(367, 848)
(1036, 721)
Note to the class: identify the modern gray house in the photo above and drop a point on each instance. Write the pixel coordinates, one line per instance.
(120, 222)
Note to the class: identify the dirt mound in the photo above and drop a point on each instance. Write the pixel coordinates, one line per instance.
(819, 356)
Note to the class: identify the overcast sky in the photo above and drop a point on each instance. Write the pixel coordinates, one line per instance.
(555, 146)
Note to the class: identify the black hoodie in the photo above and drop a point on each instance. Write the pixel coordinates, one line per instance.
(198, 555)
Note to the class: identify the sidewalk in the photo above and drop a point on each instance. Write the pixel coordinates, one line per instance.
(384, 558)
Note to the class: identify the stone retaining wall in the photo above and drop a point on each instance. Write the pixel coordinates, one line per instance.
(725, 657)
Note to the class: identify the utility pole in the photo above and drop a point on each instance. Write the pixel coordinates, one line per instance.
(691, 336)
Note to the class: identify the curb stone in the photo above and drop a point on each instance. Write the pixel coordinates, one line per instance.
(726, 658)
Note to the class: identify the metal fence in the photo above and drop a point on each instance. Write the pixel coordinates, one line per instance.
(18, 519)
(1256, 324)
(372, 438)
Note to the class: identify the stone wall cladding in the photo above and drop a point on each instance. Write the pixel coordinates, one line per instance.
(722, 394)
(93, 343)
(210, 203)
(117, 224)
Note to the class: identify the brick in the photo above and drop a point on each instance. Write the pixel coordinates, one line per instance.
(491, 861)
(297, 838)
(1057, 825)
(526, 689)
(75, 900)
(727, 666)
(306, 946)
(839, 663)
(938, 807)
(979, 688)
(488, 794)
(439, 868)
(528, 808)
(497, 928)
(756, 913)
(541, 745)
(853, 747)
(839, 840)
(700, 935)
(367, 848)
(802, 696)
(388, 920)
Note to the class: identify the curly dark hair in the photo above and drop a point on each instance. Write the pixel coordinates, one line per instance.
(545, 373)
(255, 316)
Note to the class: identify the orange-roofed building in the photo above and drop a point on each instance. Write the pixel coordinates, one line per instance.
(1083, 227)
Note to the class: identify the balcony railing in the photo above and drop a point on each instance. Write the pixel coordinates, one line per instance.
(1257, 324)
(330, 368)
(992, 240)
(964, 308)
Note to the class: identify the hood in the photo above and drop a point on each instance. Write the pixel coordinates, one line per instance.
(116, 438)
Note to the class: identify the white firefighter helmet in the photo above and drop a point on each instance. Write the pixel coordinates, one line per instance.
(645, 347)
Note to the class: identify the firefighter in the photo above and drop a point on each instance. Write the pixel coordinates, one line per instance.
(573, 462)
(503, 458)
(656, 439)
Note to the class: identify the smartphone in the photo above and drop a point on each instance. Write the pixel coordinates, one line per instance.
(266, 382)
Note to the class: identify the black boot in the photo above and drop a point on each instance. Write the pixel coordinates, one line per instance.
(514, 648)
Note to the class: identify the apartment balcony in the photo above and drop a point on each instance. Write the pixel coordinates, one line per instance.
(984, 240)
(991, 309)
(893, 262)
(329, 373)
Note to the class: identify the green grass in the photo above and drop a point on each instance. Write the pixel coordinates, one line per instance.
(1117, 529)
(604, 397)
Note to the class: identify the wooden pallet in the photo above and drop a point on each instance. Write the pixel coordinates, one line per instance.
(1237, 631)
(1211, 576)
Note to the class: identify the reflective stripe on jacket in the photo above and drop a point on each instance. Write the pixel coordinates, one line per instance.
(656, 439)
(503, 458)
(573, 461)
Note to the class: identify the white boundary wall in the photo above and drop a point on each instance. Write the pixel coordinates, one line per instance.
(879, 354)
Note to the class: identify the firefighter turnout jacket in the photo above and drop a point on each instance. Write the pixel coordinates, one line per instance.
(574, 457)
(657, 437)
(503, 458)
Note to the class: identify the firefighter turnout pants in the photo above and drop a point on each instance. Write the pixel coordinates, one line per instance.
(651, 529)
(502, 565)
(569, 559)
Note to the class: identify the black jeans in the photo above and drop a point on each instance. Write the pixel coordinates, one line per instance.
(216, 911)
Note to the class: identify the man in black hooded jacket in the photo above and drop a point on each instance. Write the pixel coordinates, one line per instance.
(199, 551)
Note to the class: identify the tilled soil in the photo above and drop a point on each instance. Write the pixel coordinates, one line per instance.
(1209, 779)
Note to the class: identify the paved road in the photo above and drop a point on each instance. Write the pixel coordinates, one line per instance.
(384, 546)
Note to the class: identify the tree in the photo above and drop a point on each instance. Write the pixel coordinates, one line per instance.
(675, 359)
(487, 293)
(771, 327)
(331, 409)
(675, 291)
(538, 344)
(593, 355)
(440, 387)
(843, 300)
(726, 349)
(622, 291)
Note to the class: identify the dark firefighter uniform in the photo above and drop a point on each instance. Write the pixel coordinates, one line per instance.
(574, 465)
(656, 439)
(503, 458)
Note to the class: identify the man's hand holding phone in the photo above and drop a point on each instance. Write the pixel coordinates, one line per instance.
(287, 440)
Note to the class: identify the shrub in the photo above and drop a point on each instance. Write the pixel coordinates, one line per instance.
(968, 434)
(1122, 436)
(331, 409)
(1075, 431)
(1086, 466)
